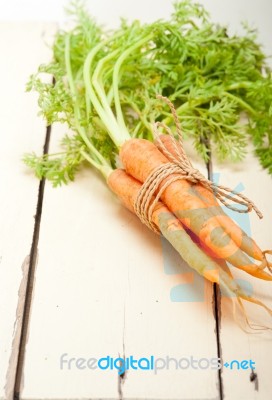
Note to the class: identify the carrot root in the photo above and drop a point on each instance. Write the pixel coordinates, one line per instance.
(232, 287)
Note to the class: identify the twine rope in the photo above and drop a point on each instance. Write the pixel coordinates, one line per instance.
(178, 168)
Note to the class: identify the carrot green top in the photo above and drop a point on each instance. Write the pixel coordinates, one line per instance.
(105, 85)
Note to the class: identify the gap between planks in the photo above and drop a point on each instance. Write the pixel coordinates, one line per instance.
(216, 296)
(22, 331)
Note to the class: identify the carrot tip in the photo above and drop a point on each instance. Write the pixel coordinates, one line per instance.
(259, 303)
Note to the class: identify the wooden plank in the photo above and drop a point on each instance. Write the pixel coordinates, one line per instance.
(78, 302)
(22, 47)
(165, 320)
(235, 343)
(256, 184)
(104, 288)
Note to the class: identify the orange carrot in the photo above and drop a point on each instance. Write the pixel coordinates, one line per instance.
(141, 157)
(242, 240)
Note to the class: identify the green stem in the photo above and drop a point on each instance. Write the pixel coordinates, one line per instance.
(97, 83)
(77, 113)
(188, 104)
(140, 116)
(211, 121)
(86, 74)
(115, 80)
(237, 86)
(200, 101)
(105, 170)
(87, 68)
(90, 93)
(241, 102)
(101, 106)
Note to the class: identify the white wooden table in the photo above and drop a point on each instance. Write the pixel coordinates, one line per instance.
(107, 286)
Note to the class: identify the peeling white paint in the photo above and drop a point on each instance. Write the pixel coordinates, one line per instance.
(12, 367)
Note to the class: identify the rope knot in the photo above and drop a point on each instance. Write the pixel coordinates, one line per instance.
(194, 175)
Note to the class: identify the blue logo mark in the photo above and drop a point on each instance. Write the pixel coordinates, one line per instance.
(194, 290)
(244, 364)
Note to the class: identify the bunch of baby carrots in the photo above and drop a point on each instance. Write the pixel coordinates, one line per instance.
(189, 216)
(94, 93)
